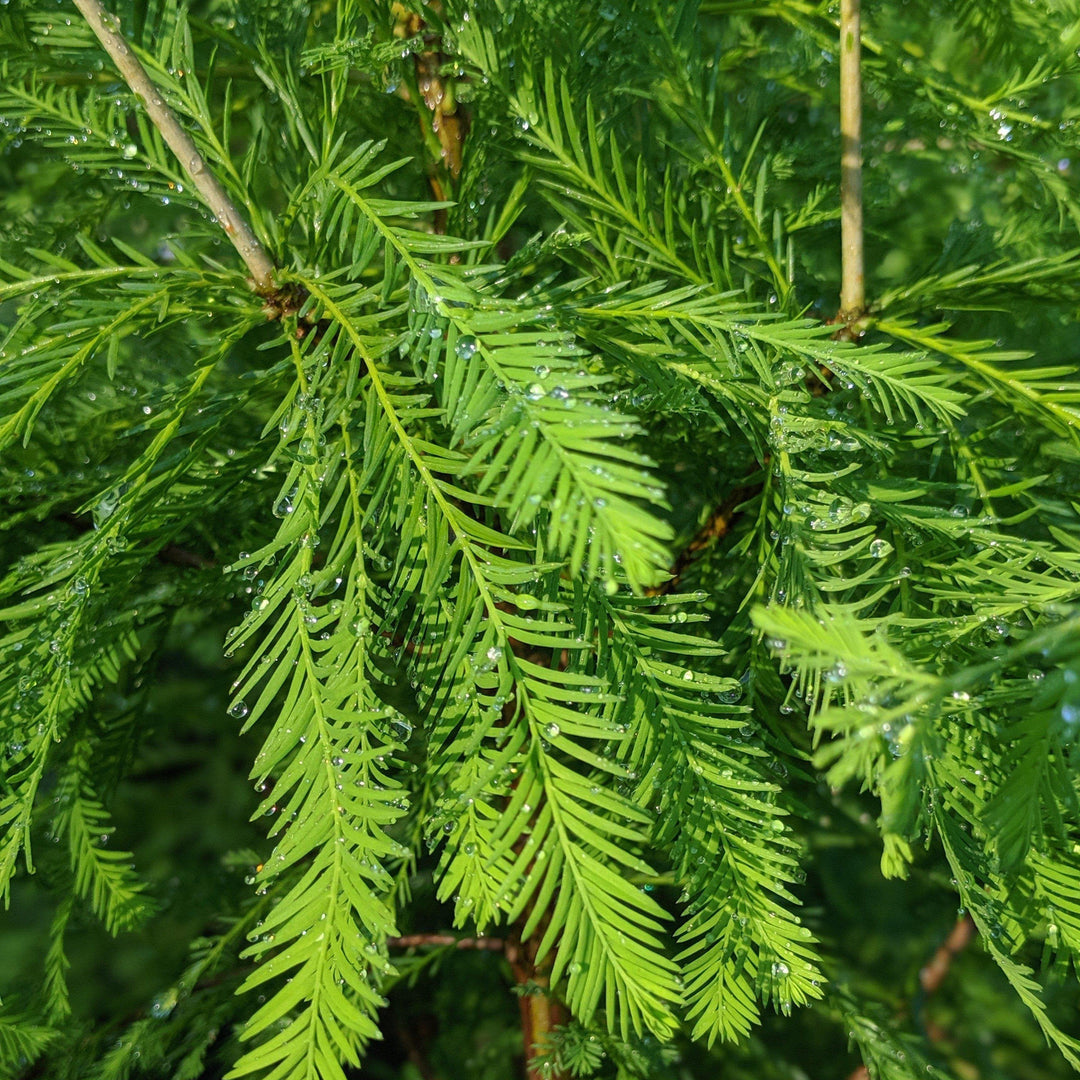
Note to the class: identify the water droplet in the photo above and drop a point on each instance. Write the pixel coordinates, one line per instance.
(879, 549)
(466, 347)
(163, 1004)
(106, 507)
(552, 731)
(238, 710)
(286, 504)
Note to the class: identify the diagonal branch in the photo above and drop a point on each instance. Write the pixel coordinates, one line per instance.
(932, 975)
(107, 28)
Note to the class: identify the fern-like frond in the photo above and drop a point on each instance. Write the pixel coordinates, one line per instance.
(22, 1041)
(900, 729)
(694, 746)
(102, 875)
(321, 768)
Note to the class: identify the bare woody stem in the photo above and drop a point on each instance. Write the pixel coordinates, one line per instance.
(852, 288)
(107, 28)
(420, 941)
(540, 1012)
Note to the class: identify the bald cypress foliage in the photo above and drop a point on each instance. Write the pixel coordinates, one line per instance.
(531, 633)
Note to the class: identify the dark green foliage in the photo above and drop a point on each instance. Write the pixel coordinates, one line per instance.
(552, 572)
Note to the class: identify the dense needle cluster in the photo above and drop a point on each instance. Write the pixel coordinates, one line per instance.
(575, 584)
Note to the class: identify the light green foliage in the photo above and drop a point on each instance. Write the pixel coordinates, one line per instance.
(575, 584)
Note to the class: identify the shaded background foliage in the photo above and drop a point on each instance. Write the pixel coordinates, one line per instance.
(971, 152)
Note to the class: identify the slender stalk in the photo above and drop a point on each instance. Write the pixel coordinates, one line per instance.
(420, 941)
(107, 28)
(933, 974)
(852, 288)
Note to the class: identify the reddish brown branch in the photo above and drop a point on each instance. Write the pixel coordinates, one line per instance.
(445, 123)
(416, 1056)
(170, 553)
(419, 941)
(933, 974)
(716, 527)
(178, 556)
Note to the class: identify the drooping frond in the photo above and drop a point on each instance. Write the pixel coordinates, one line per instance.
(905, 732)
(701, 762)
(103, 875)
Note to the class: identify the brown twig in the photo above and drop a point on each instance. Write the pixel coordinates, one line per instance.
(444, 129)
(419, 941)
(170, 553)
(715, 528)
(178, 556)
(853, 286)
(416, 1056)
(107, 28)
(540, 1012)
(933, 974)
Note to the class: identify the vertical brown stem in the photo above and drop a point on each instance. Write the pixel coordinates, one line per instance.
(852, 289)
(540, 1012)
(443, 125)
